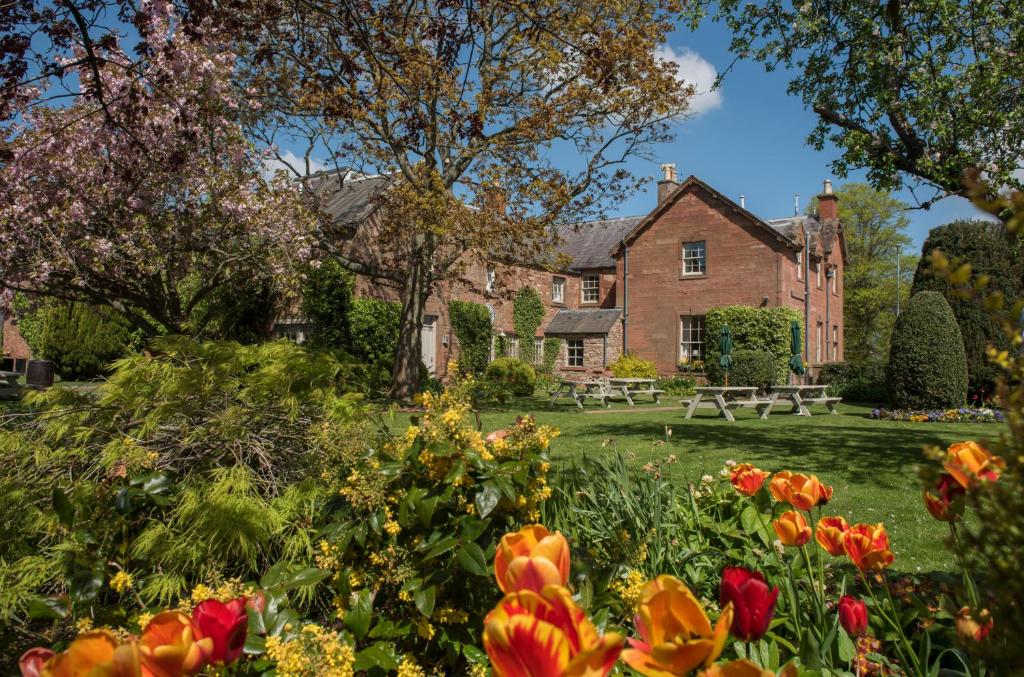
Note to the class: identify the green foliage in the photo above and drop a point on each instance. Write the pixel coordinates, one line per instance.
(677, 386)
(992, 254)
(749, 368)
(766, 329)
(29, 313)
(327, 302)
(374, 326)
(519, 377)
(527, 314)
(471, 324)
(632, 366)
(860, 381)
(927, 364)
(552, 346)
(83, 340)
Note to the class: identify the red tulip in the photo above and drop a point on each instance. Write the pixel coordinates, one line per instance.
(752, 600)
(226, 624)
(944, 502)
(853, 615)
(32, 661)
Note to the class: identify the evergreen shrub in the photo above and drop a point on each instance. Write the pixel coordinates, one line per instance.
(327, 295)
(374, 327)
(855, 381)
(83, 340)
(927, 363)
(514, 374)
(471, 324)
(765, 329)
(749, 368)
(631, 366)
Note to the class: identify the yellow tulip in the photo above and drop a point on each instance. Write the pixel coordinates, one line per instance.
(531, 559)
(792, 529)
(169, 649)
(970, 463)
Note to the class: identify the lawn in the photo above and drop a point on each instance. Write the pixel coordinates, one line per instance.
(871, 464)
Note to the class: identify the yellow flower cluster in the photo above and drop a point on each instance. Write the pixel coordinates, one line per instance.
(313, 651)
(629, 589)
(450, 616)
(121, 582)
(409, 668)
(327, 556)
(424, 628)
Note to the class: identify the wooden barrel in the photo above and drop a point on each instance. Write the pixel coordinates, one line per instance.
(39, 373)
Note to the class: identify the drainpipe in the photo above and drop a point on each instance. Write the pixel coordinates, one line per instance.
(625, 297)
(829, 274)
(807, 299)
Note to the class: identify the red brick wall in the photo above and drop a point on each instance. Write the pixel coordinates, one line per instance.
(826, 304)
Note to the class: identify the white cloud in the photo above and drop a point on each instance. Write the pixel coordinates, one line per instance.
(297, 164)
(697, 71)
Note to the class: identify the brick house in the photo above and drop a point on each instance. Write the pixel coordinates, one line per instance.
(641, 283)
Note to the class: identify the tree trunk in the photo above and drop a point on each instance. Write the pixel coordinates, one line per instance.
(405, 378)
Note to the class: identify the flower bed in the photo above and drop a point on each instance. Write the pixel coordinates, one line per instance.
(960, 415)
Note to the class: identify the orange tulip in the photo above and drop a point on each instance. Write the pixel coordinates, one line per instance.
(96, 654)
(945, 503)
(973, 630)
(737, 668)
(747, 479)
(867, 546)
(675, 633)
(32, 661)
(777, 485)
(803, 492)
(970, 463)
(545, 633)
(168, 648)
(829, 534)
(792, 529)
(826, 495)
(531, 559)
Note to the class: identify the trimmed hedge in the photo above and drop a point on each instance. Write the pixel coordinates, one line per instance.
(83, 340)
(631, 366)
(374, 327)
(749, 368)
(471, 324)
(927, 364)
(994, 253)
(514, 374)
(766, 329)
(859, 381)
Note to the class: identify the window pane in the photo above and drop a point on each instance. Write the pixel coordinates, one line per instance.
(558, 289)
(591, 288)
(694, 258)
(691, 337)
(574, 352)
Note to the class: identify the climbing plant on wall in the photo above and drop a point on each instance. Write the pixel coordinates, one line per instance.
(527, 314)
(472, 326)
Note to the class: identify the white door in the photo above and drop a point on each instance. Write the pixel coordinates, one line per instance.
(428, 339)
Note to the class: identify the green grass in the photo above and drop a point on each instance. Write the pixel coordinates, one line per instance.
(871, 464)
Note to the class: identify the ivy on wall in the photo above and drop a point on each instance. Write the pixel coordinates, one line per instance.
(552, 346)
(527, 314)
(767, 329)
(471, 323)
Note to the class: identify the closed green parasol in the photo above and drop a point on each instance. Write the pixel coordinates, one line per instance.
(796, 361)
(725, 348)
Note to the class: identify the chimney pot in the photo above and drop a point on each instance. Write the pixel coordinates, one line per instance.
(668, 182)
(828, 187)
(828, 203)
(743, 201)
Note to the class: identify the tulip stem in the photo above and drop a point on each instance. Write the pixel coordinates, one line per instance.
(968, 582)
(894, 622)
(819, 598)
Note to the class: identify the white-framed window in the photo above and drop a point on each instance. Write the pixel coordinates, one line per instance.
(574, 352)
(591, 288)
(558, 289)
(817, 342)
(490, 277)
(511, 346)
(691, 337)
(800, 265)
(835, 284)
(817, 274)
(694, 258)
(835, 341)
(538, 351)
(491, 314)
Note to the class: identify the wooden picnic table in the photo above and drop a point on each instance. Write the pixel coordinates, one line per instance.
(581, 390)
(9, 386)
(725, 398)
(802, 396)
(629, 387)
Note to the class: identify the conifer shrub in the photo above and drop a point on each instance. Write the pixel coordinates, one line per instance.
(83, 340)
(749, 368)
(927, 363)
(518, 377)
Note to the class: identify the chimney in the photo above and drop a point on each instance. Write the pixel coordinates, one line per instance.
(668, 183)
(743, 201)
(828, 203)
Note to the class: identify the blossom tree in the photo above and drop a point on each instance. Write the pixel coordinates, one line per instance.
(532, 110)
(147, 198)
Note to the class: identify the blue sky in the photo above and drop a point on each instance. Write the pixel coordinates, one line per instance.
(749, 138)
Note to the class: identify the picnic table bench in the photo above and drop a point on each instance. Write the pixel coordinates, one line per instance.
(802, 397)
(580, 391)
(725, 399)
(631, 387)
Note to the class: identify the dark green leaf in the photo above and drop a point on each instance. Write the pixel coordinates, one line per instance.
(85, 584)
(471, 557)
(62, 506)
(487, 499)
(255, 644)
(424, 600)
(304, 577)
(48, 608)
(359, 614)
(380, 655)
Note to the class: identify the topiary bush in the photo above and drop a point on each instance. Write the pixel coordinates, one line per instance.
(83, 340)
(631, 366)
(514, 374)
(766, 329)
(855, 381)
(471, 324)
(927, 363)
(749, 368)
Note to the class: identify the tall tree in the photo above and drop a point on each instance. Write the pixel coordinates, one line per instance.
(874, 225)
(148, 199)
(535, 105)
(915, 91)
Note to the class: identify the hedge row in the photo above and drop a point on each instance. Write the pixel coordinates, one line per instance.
(765, 329)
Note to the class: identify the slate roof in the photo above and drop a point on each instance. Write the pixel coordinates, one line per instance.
(820, 233)
(587, 321)
(589, 244)
(350, 201)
